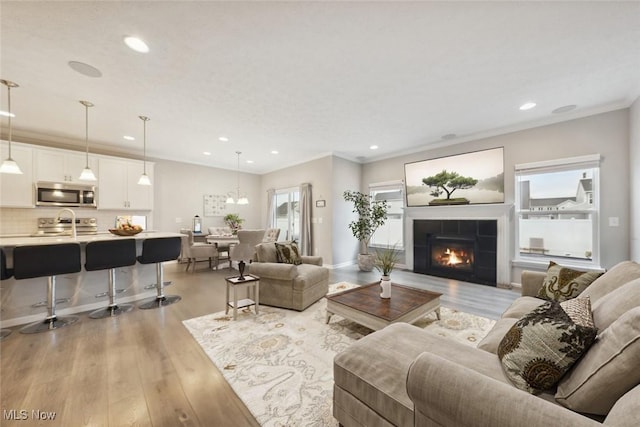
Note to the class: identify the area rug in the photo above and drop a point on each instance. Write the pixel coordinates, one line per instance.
(280, 363)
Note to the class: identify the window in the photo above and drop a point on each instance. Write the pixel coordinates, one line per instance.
(287, 213)
(557, 210)
(392, 232)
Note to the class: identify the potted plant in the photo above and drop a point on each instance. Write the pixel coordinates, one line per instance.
(234, 222)
(371, 215)
(386, 260)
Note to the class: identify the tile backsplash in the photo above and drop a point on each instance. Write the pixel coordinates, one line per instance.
(24, 221)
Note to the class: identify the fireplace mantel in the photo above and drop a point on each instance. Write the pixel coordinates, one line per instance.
(502, 213)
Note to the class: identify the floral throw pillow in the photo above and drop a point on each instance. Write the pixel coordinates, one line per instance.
(545, 343)
(288, 253)
(564, 283)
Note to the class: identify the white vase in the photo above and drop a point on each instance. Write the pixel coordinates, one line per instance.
(385, 284)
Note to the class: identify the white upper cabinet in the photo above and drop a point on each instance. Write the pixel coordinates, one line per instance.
(62, 166)
(16, 191)
(118, 186)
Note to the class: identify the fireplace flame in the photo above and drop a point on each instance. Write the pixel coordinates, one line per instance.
(451, 258)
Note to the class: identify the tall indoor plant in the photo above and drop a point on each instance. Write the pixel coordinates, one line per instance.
(371, 215)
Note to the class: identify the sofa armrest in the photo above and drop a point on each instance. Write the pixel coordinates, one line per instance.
(273, 270)
(315, 260)
(449, 394)
(532, 282)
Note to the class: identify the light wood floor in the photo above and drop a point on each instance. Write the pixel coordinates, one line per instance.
(144, 369)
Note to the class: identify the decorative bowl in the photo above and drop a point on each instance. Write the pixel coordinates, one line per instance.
(123, 232)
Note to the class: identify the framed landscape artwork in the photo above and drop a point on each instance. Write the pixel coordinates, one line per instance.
(463, 179)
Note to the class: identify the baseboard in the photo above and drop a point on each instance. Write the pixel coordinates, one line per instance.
(342, 264)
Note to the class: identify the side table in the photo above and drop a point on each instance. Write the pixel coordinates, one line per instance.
(252, 284)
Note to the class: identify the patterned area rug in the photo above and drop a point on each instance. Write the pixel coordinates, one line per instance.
(280, 363)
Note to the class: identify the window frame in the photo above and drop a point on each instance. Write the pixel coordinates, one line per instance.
(558, 165)
(290, 199)
(395, 186)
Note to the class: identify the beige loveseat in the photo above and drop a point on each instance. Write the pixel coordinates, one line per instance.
(287, 285)
(406, 376)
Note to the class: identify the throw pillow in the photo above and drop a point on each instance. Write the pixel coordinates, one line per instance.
(564, 283)
(543, 345)
(288, 253)
(607, 371)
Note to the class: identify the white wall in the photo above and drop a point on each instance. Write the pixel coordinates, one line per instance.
(634, 163)
(346, 176)
(179, 191)
(606, 134)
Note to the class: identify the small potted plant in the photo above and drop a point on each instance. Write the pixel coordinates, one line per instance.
(234, 222)
(386, 259)
(371, 215)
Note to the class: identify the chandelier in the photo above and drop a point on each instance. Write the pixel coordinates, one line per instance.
(241, 200)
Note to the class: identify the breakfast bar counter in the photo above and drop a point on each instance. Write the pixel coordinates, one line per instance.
(21, 300)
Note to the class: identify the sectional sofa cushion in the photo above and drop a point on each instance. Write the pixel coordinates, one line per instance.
(617, 302)
(491, 341)
(607, 371)
(617, 276)
(543, 345)
(563, 283)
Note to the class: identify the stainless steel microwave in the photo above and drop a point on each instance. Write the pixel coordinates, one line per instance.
(65, 194)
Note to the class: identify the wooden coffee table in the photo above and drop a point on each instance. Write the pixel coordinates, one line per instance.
(363, 305)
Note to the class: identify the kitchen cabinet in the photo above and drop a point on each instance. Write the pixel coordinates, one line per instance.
(16, 191)
(118, 185)
(62, 166)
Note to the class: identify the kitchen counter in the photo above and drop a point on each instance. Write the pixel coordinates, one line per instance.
(21, 240)
(85, 289)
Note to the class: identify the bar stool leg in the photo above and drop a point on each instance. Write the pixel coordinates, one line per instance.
(52, 321)
(113, 309)
(161, 300)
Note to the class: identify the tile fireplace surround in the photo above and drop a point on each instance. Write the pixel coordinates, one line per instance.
(501, 213)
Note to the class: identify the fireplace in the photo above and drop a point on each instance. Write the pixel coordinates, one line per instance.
(456, 249)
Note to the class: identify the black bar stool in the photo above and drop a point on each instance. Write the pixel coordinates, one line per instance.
(47, 261)
(109, 255)
(5, 273)
(156, 251)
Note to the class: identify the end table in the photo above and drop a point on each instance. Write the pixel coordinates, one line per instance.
(251, 283)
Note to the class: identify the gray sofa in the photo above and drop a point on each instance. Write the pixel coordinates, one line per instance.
(406, 376)
(287, 285)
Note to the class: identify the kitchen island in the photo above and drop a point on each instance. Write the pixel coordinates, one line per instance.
(21, 300)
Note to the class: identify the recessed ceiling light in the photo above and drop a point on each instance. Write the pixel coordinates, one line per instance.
(7, 114)
(564, 109)
(85, 69)
(129, 138)
(449, 136)
(136, 44)
(274, 151)
(223, 139)
(527, 106)
(374, 147)
(206, 153)
(249, 161)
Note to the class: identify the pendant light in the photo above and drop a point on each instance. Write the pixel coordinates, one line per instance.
(9, 165)
(87, 174)
(144, 178)
(242, 200)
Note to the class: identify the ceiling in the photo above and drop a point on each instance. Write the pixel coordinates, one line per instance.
(310, 78)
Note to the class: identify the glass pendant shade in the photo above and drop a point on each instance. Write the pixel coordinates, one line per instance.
(144, 178)
(230, 200)
(9, 165)
(243, 200)
(87, 174)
